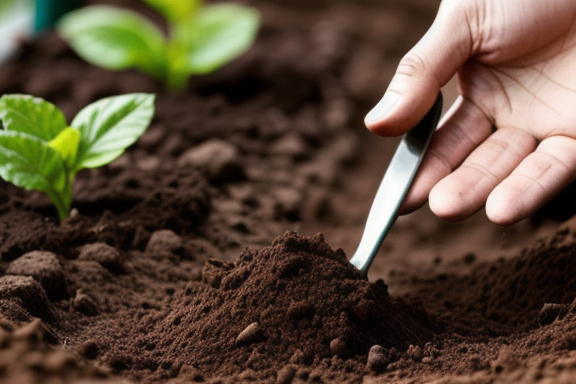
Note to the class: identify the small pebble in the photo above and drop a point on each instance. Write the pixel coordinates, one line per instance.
(250, 334)
(378, 358)
(338, 347)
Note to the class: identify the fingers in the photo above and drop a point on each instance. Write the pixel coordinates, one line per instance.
(421, 73)
(463, 129)
(467, 167)
(538, 178)
(466, 190)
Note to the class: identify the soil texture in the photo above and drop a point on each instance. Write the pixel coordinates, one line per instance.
(215, 249)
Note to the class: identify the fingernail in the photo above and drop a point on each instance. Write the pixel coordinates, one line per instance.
(383, 107)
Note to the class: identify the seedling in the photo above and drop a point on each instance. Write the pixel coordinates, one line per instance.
(16, 18)
(39, 151)
(200, 39)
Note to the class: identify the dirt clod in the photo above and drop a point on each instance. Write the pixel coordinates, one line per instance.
(23, 292)
(216, 158)
(84, 303)
(378, 358)
(163, 240)
(45, 268)
(104, 254)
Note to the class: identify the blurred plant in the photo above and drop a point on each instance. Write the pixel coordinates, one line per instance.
(201, 38)
(16, 19)
(6, 6)
(39, 151)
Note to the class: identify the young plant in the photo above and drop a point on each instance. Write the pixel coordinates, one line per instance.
(39, 151)
(201, 38)
(16, 18)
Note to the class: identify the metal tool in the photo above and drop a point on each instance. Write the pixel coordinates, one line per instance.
(394, 187)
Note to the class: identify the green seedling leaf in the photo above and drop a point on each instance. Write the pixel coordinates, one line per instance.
(109, 126)
(66, 144)
(223, 32)
(115, 39)
(31, 115)
(16, 18)
(200, 38)
(28, 162)
(175, 10)
(7, 5)
(39, 151)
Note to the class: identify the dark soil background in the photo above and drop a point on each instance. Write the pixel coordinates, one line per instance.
(215, 249)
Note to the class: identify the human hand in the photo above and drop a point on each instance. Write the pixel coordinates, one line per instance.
(509, 140)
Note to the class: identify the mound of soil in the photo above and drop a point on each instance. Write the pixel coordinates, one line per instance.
(294, 303)
(171, 269)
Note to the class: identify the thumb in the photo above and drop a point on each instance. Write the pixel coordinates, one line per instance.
(422, 72)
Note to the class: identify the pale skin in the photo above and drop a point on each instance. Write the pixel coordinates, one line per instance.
(509, 141)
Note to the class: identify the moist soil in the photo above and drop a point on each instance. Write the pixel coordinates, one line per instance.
(215, 249)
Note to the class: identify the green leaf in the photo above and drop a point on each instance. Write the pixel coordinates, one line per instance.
(66, 144)
(222, 32)
(6, 6)
(115, 39)
(174, 10)
(16, 17)
(28, 162)
(109, 126)
(31, 115)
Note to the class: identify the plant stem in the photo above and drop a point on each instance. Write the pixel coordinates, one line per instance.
(62, 199)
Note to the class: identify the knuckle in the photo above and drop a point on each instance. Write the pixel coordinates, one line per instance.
(411, 65)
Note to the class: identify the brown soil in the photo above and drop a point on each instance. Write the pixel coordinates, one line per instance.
(195, 256)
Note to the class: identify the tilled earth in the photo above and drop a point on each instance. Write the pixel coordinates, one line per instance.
(197, 255)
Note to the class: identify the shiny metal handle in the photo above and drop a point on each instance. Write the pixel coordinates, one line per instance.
(394, 187)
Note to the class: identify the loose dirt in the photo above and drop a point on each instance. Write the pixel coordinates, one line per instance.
(215, 249)
(294, 304)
